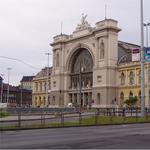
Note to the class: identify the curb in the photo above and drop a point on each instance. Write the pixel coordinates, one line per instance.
(35, 128)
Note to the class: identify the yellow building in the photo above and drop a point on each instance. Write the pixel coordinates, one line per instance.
(39, 88)
(129, 76)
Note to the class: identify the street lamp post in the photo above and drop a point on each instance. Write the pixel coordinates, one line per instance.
(146, 25)
(142, 66)
(2, 88)
(80, 87)
(47, 78)
(8, 85)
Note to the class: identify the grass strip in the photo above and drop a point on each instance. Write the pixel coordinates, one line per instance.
(88, 121)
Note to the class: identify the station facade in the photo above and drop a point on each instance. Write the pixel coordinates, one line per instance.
(94, 50)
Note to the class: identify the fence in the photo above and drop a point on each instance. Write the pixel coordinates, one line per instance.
(97, 116)
(39, 110)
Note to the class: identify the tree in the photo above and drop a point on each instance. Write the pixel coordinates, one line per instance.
(131, 100)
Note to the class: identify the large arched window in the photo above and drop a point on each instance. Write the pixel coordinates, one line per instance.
(82, 60)
(84, 57)
(122, 78)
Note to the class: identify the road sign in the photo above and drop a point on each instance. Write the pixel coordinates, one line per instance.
(92, 101)
(147, 54)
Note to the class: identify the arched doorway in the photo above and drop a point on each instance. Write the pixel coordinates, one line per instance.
(81, 58)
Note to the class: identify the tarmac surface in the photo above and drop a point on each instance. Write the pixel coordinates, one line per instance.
(130, 136)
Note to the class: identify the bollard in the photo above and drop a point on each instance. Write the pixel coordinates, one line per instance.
(146, 116)
(96, 117)
(19, 119)
(110, 117)
(44, 119)
(41, 118)
(62, 119)
(136, 115)
(80, 118)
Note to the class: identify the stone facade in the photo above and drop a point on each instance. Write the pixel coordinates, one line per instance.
(97, 51)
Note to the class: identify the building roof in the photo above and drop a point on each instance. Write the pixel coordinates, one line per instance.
(43, 72)
(27, 78)
(11, 88)
(125, 51)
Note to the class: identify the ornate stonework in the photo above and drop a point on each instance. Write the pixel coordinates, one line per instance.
(83, 24)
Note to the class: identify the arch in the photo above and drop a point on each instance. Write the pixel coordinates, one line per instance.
(73, 53)
(122, 78)
(82, 57)
(130, 94)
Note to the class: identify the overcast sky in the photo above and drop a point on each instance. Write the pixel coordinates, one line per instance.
(27, 27)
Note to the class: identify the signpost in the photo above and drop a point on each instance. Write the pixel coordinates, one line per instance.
(147, 59)
(147, 54)
(135, 55)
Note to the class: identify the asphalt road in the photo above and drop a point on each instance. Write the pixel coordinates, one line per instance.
(132, 136)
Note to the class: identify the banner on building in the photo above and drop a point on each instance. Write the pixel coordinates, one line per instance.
(147, 54)
(136, 55)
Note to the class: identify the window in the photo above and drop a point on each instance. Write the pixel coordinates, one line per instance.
(53, 100)
(39, 100)
(36, 87)
(122, 98)
(98, 98)
(130, 94)
(140, 76)
(140, 97)
(122, 78)
(41, 87)
(45, 86)
(131, 77)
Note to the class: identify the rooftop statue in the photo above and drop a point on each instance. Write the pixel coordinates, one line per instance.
(83, 24)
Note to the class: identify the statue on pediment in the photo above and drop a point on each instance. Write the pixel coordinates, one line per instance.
(83, 24)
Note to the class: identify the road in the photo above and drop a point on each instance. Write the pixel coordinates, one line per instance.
(132, 136)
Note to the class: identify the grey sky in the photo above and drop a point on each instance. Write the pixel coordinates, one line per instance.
(28, 26)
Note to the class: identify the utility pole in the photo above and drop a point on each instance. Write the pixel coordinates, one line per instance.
(21, 96)
(146, 25)
(80, 86)
(8, 86)
(142, 66)
(47, 78)
(2, 87)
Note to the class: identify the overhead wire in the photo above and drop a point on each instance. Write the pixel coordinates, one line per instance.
(20, 61)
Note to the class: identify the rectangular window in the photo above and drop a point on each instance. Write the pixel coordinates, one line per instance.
(36, 87)
(41, 87)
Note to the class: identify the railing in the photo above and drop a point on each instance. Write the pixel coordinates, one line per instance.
(39, 110)
(97, 116)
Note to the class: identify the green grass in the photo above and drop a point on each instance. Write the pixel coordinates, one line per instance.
(2, 114)
(89, 121)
